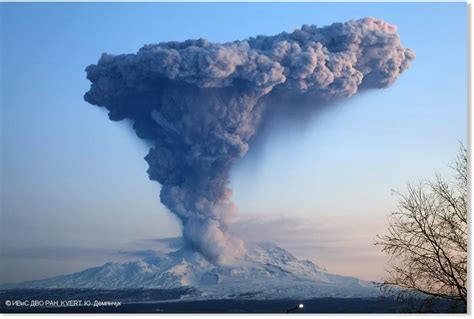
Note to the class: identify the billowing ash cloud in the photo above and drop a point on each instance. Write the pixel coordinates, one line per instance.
(200, 103)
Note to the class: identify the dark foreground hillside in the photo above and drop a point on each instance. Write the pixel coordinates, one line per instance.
(164, 301)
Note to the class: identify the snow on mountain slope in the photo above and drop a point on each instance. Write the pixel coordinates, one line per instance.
(266, 272)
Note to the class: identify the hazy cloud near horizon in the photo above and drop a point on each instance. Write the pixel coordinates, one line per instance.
(305, 238)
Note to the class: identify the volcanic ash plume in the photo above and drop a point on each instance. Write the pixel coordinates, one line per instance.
(199, 103)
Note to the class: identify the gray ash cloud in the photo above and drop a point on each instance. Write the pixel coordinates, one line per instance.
(199, 103)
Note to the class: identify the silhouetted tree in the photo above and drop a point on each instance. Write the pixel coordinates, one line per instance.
(427, 237)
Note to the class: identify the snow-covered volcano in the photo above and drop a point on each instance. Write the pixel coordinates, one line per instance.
(265, 272)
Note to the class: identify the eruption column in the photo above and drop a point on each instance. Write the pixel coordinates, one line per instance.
(199, 103)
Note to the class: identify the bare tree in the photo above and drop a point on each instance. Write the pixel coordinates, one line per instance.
(427, 237)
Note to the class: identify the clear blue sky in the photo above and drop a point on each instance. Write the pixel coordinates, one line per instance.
(74, 184)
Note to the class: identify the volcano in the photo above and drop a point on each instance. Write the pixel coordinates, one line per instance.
(265, 272)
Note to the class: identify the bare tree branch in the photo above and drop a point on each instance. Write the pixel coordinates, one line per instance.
(427, 237)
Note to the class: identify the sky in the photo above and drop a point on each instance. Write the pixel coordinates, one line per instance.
(74, 187)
